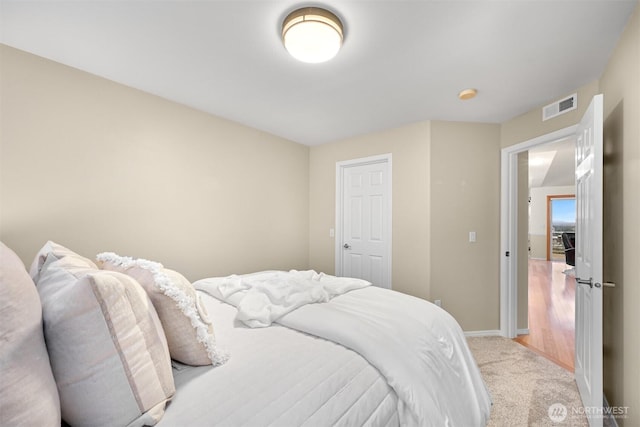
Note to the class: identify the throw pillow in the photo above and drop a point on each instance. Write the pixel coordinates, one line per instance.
(28, 393)
(189, 331)
(108, 351)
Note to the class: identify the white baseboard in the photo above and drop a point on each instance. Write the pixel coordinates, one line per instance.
(523, 331)
(491, 333)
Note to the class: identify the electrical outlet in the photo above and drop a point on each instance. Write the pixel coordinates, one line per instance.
(438, 302)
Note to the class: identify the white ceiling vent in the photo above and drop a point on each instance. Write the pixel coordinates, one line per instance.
(560, 107)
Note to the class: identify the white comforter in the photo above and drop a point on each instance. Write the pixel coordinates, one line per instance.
(262, 298)
(278, 377)
(418, 347)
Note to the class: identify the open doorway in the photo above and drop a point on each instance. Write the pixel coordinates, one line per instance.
(550, 282)
(589, 249)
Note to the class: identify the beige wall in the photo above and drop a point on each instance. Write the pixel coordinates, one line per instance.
(409, 146)
(465, 196)
(99, 166)
(620, 84)
(530, 125)
(111, 168)
(445, 184)
(538, 244)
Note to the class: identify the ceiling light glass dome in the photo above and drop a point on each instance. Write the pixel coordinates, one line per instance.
(312, 34)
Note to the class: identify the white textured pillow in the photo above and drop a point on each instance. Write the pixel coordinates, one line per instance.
(28, 393)
(186, 325)
(108, 351)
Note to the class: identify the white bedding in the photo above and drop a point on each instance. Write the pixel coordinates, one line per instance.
(419, 348)
(279, 377)
(262, 298)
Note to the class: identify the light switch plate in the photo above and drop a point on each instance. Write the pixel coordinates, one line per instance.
(472, 236)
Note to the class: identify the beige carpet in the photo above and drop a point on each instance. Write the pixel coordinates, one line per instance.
(524, 385)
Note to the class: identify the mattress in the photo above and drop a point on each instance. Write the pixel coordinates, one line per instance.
(278, 377)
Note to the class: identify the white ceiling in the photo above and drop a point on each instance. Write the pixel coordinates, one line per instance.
(403, 61)
(553, 164)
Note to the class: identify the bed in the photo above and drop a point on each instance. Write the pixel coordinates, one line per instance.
(353, 355)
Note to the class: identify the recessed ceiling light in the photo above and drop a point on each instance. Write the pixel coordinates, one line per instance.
(467, 94)
(312, 34)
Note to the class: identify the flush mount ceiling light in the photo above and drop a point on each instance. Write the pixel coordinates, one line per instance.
(312, 34)
(467, 94)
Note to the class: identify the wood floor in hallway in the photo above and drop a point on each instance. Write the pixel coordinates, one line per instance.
(551, 313)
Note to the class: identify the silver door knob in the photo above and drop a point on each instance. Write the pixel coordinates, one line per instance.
(346, 246)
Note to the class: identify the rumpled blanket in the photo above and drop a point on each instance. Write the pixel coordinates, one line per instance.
(262, 298)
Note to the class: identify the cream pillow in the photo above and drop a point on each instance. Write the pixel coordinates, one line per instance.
(186, 325)
(28, 393)
(108, 351)
(60, 252)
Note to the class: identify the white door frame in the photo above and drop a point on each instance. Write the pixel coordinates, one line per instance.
(509, 227)
(339, 237)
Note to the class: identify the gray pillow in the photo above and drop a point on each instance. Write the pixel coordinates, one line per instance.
(28, 394)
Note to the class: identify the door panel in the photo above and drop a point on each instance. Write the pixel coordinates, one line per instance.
(588, 364)
(376, 265)
(376, 233)
(365, 220)
(354, 233)
(353, 265)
